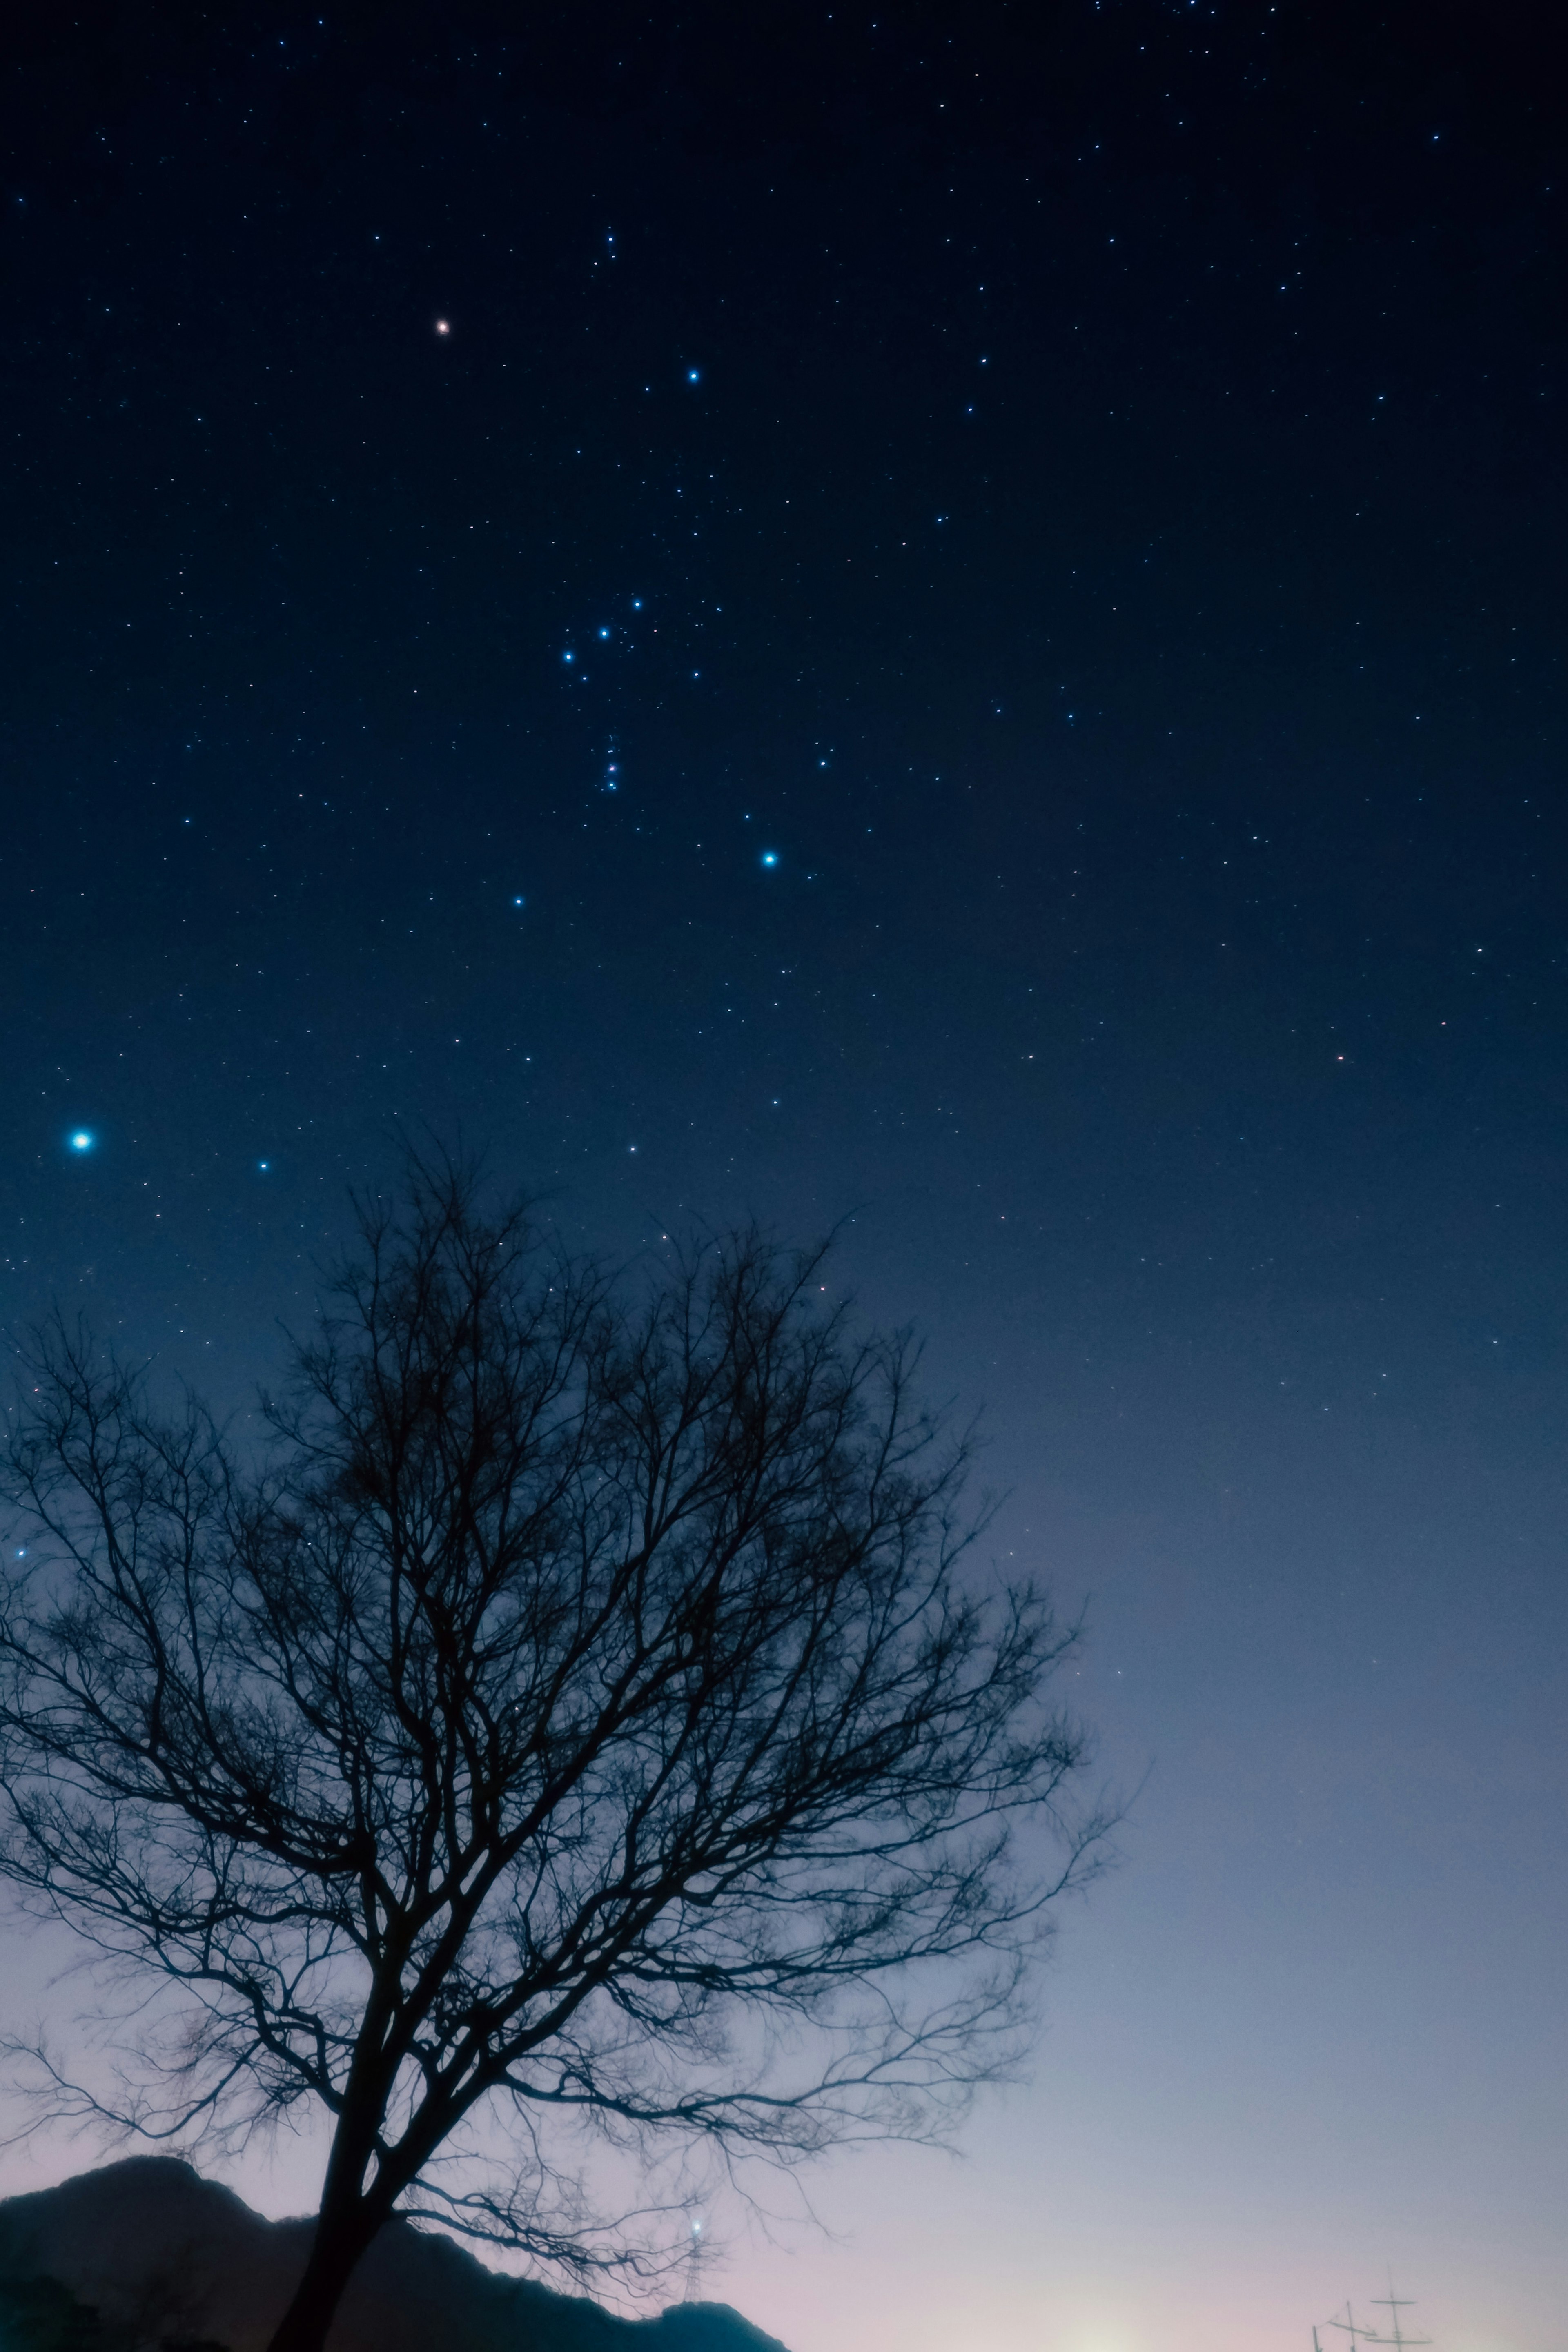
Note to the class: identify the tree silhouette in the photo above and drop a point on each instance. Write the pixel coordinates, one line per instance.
(577, 1721)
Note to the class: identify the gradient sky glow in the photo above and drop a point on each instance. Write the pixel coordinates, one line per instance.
(953, 623)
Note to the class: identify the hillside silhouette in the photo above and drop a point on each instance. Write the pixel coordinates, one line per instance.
(146, 2256)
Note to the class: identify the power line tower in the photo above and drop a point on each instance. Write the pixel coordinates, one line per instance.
(1392, 2338)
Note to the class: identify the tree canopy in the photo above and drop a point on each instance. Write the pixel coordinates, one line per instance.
(586, 1711)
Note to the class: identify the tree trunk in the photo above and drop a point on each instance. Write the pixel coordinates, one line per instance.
(344, 2228)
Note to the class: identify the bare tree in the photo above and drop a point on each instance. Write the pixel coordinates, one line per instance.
(579, 1717)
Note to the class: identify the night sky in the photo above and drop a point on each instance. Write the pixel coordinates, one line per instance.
(948, 617)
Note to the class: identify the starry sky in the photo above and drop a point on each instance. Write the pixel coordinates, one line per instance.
(951, 618)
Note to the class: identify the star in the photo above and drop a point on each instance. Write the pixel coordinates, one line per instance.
(81, 1140)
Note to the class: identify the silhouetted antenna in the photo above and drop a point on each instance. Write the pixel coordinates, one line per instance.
(694, 2261)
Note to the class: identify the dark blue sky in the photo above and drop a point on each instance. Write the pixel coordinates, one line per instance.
(1081, 489)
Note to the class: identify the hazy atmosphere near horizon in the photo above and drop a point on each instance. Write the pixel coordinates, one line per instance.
(944, 621)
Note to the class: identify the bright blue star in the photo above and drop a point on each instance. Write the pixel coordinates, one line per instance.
(81, 1140)
(263, 1165)
(693, 375)
(568, 656)
(770, 857)
(603, 633)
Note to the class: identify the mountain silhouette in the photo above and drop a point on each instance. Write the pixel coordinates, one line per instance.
(146, 2256)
